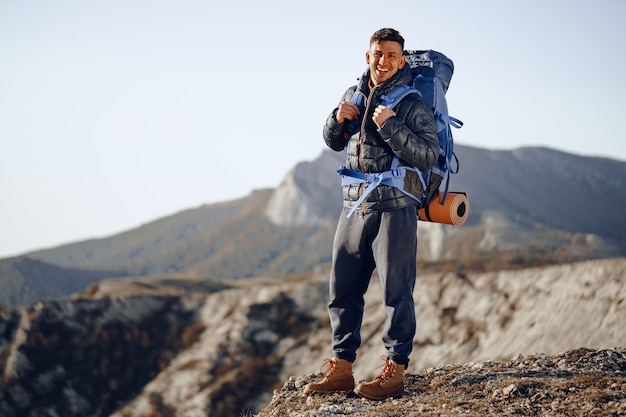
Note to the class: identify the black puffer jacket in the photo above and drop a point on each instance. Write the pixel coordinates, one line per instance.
(411, 135)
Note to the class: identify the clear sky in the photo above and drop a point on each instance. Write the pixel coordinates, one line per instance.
(116, 113)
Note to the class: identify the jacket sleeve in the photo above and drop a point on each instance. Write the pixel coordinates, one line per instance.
(412, 134)
(333, 132)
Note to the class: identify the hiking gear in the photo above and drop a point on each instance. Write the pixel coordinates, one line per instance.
(387, 241)
(454, 211)
(410, 134)
(389, 383)
(432, 74)
(338, 377)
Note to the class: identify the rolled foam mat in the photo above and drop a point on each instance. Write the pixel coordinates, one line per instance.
(454, 211)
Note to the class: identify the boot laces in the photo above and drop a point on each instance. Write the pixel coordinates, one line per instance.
(331, 364)
(388, 370)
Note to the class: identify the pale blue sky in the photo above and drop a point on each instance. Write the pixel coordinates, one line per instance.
(116, 113)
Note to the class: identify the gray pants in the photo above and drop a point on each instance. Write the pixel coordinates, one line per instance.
(385, 240)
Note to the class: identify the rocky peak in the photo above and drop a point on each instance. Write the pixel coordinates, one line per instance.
(309, 194)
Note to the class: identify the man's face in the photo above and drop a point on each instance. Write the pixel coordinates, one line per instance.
(384, 59)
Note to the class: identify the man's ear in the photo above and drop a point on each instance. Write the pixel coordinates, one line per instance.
(402, 61)
(367, 57)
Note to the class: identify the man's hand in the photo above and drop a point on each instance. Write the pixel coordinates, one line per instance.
(381, 115)
(347, 110)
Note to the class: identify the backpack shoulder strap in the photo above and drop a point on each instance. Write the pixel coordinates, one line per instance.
(392, 98)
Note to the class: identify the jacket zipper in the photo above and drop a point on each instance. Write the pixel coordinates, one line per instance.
(362, 143)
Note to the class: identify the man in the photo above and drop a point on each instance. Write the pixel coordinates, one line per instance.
(382, 233)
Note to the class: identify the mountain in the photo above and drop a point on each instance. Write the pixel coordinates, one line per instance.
(25, 280)
(529, 186)
(176, 345)
(529, 206)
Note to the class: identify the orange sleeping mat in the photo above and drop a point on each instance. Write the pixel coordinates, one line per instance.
(455, 210)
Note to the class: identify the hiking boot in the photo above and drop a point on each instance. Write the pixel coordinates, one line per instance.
(389, 383)
(338, 377)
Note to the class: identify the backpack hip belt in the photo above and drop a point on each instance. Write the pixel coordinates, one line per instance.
(393, 178)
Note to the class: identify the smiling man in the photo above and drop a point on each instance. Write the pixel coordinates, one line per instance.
(384, 60)
(384, 233)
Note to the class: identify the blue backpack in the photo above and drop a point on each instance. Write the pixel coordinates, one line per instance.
(432, 72)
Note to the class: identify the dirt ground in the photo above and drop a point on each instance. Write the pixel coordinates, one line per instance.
(581, 382)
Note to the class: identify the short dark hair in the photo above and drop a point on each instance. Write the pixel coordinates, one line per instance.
(387, 34)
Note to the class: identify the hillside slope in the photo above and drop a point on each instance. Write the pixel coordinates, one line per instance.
(175, 346)
(24, 280)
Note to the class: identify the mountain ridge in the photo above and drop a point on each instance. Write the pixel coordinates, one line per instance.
(530, 206)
